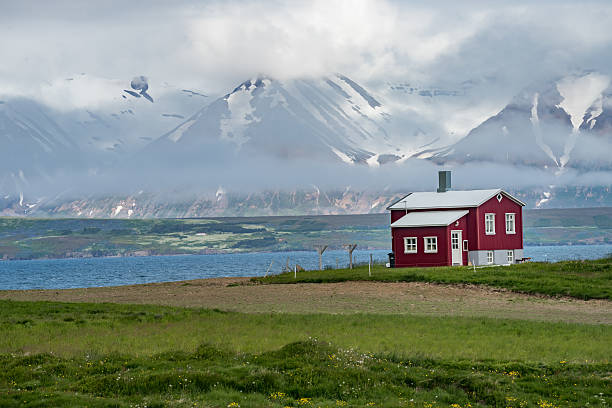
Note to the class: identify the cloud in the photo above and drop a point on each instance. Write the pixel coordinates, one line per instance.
(215, 44)
(486, 51)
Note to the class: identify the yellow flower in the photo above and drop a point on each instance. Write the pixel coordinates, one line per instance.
(277, 395)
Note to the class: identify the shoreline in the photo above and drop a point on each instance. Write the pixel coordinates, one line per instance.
(226, 252)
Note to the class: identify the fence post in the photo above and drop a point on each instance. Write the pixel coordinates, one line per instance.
(269, 268)
(370, 267)
(350, 248)
(320, 249)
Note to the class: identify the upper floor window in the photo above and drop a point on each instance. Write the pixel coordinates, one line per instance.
(410, 245)
(510, 224)
(431, 244)
(490, 224)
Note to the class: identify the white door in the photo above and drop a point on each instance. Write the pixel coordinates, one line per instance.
(457, 255)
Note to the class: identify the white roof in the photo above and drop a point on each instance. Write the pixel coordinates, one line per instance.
(448, 199)
(429, 218)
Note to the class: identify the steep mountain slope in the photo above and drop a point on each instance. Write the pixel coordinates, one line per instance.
(32, 145)
(43, 144)
(330, 118)
(126, 121)
(550, 125)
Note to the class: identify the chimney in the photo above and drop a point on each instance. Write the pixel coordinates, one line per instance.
(444, 181)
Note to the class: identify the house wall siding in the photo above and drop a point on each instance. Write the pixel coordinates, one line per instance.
(444, 255)
(420, 258)
(500, 240)
(397, 214)
(500, 256)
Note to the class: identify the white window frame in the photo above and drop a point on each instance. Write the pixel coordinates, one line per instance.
(411, 251)
(511, 217)
(510, 256)
(434, 244)
(465, 245)
(490, 257)
(489, 217)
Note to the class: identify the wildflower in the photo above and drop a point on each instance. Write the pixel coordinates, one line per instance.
(304, 401)
(277, 395)
(233, 405)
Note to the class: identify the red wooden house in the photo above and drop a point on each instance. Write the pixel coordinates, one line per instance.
(448, 227)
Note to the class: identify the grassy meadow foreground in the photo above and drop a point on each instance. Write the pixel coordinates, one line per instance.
(395, 342)
(59, 354)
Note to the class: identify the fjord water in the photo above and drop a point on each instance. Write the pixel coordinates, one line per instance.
(92, 272)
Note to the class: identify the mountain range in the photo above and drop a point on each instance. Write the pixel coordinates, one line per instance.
(332, 120)
(558, 124)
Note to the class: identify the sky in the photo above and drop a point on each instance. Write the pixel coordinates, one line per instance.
(214, 45)
(496, 48)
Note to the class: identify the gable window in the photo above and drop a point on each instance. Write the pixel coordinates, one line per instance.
(510, 225)
(510, 256)
(489, 257)
(490, 224)
(410, 245)
(431, 244)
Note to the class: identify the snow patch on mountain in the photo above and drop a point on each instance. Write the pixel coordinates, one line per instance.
(535, 121)
(241, 113)
(594, 111)
(579, 93)
(177, 133)
(342, 156)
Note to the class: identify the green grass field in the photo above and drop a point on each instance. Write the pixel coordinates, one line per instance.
(579, 279)
(103, 355)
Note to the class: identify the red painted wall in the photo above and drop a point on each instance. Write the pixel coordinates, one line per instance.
(397, 214)
(441, 258)
(420, 258)
(500, 240)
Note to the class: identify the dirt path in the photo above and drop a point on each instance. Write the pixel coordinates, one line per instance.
(238, 294)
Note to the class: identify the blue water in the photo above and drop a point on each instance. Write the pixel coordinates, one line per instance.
(90, 272)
